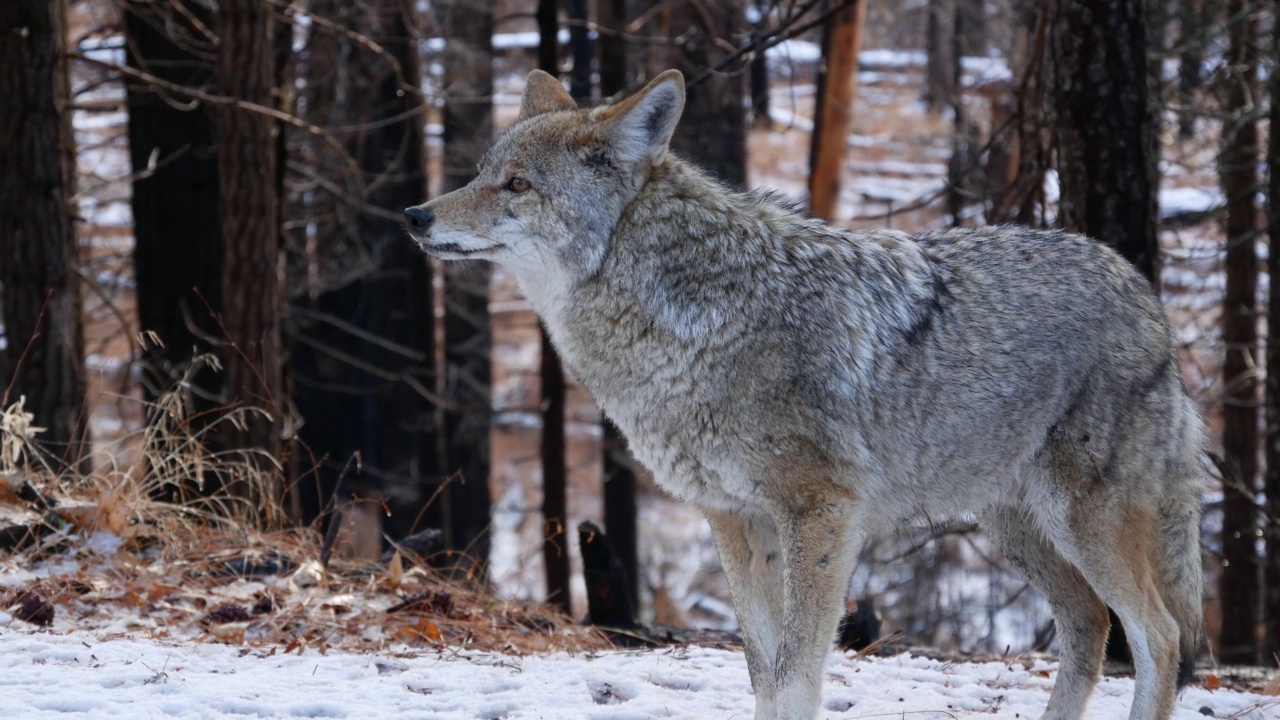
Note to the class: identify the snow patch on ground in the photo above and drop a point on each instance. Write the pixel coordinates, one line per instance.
(45, 675)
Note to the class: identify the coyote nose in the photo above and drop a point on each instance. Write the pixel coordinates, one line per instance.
(419, 218)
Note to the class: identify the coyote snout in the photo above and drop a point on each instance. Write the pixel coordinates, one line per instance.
(806, 385)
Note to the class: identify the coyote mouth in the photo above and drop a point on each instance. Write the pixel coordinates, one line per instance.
(455, 249)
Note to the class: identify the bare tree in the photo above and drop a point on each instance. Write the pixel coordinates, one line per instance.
(1238, 588)
(837, 85)
(1106, 151)
(175, 193)
(43, 357)
(361, 325)
(713, 130)
(467, 26)
(247, 157)
(1271, 576)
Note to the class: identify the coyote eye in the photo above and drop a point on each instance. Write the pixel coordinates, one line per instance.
(517, 184)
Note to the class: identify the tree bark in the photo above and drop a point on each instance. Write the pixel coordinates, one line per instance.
(712, 132)
(1240, 577)
(939, 80)
(1106, 129)
(837, 85)
(580, 50)
(620, 507)
(1271, 570)
(555, 471)
(43, 357)
(555, 514)
(179, 284)
(468, 131)
(251, 244)
(611, 15)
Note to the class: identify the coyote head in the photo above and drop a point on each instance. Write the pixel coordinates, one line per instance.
(551, 189)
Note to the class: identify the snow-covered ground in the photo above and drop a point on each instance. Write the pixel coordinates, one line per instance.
(46, 675)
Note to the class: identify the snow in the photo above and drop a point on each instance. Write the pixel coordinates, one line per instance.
(50, 675)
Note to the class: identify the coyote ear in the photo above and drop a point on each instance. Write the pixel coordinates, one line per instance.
(640, 127)
(543, 94)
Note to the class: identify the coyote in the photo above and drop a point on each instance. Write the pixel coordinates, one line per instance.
(805, 385)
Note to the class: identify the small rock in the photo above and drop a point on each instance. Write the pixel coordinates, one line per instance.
(387, 667)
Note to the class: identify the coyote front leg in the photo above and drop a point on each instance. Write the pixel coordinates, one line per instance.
(819, 547)
(752, 560)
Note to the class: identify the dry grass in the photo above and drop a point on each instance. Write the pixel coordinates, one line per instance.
(141, 550)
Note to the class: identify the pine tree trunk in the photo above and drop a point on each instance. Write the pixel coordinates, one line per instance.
(179, 284)
(251, 243)
(43, 357)
(612, 17)
(468, 131)
(712, 132)
(1271, 570)
(1106, 130)
(837, 85)
(939, 81)
(1238, 587)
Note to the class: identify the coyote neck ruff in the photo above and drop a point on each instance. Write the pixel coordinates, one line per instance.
(804, 385)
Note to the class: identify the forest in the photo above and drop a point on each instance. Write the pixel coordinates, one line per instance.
(216, 332)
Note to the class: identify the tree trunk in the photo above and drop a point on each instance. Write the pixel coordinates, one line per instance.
(1192, 20)
(837, 85)
(555, 471)
(1106, 130)
(468, 131)
(358, 289)
(939, 80)
(555, 515)
(620, 507)
(1271, 578)
(251, 243)
(713, 130)
(580, 50)
(43, 357)
(179, 284)
(611, 15)
(1239, 581)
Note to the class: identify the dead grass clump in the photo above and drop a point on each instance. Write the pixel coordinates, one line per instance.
(142, 549)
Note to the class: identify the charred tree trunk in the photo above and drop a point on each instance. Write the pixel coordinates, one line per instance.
(713, 129)
(555, 510)
(620, 507)
(1192, 20)
(358, 289)
(555, 471)
(939, 80)
(468, 131)
(43, 357)
(1105, 133)
(251, 241)
(179, 284)
(1239, 582)
(837, 84)
(619, 480)
(580, 50)
(611, 15)
(1271, 571)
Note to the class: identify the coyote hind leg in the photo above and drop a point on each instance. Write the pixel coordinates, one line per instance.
(1079, 613)
(1114, 541)
(752, 560)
